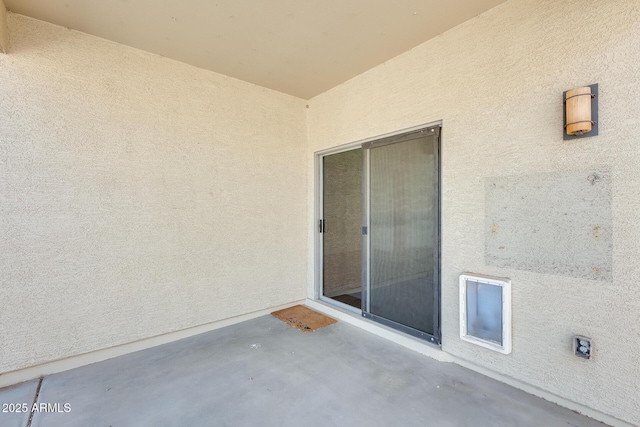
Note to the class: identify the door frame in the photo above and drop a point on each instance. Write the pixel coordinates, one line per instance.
(319, 210)
(387, 138)
(399, 139)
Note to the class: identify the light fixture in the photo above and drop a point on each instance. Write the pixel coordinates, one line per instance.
(581, 112)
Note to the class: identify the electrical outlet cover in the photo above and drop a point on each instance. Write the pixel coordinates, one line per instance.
(582, 346)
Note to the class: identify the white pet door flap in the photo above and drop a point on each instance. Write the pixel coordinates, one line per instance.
(485, 311)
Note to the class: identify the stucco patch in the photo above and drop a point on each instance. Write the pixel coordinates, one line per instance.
(555, 223)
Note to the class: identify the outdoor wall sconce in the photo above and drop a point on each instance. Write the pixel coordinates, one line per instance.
(581, 112)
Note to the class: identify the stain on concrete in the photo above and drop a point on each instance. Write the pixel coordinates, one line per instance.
(553, 223)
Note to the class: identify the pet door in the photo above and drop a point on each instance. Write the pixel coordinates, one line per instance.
(485, 311)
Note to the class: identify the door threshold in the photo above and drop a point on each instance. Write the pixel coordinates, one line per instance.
(333, 302)
(412, 343)
(403, 328)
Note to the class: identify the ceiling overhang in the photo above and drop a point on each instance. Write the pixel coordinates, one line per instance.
(302, 48)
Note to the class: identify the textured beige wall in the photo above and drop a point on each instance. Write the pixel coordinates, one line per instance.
(138, 195)
(497, 82)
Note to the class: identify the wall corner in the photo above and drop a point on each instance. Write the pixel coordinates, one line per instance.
(4, 29)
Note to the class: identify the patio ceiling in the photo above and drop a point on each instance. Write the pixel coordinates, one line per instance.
(298, 47)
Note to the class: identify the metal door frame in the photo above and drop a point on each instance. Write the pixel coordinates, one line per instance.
(365, 145)
(319, 217)
(366, 312)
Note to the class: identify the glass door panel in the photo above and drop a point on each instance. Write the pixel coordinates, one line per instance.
(341, 227)
(404, 233)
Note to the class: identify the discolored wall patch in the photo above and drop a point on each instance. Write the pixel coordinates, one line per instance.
(554, 223)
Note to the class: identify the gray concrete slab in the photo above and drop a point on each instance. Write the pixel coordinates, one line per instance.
(264, 372)
(13, 402)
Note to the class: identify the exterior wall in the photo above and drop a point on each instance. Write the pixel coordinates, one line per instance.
(138, 195)
(496, 81)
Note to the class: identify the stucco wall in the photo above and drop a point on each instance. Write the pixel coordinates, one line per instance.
(497, 82)
(138, 195)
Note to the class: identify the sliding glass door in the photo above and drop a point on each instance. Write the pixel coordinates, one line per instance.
(403, 237)
(341, 227)
(379, 228)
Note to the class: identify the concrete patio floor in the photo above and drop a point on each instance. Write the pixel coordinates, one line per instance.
(264, 372)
